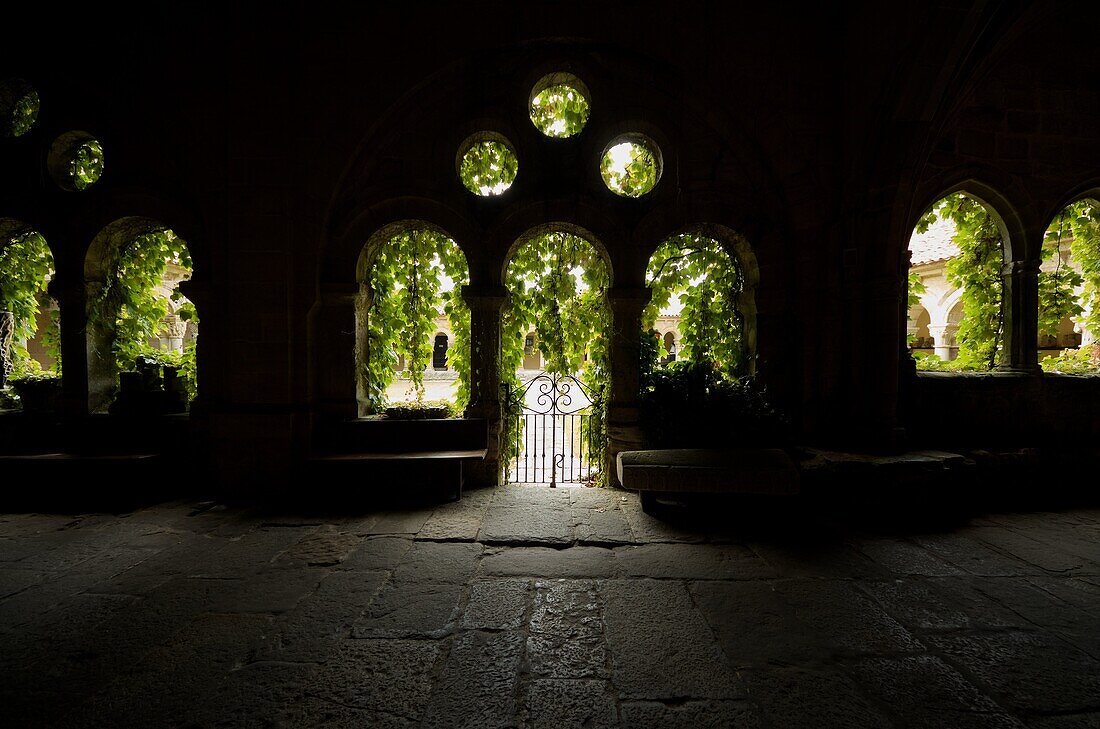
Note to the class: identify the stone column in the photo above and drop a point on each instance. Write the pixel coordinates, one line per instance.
(1020, 291)
(335, 341)
(69, 293)
(486, 304)
(624, 431)
(944, 337)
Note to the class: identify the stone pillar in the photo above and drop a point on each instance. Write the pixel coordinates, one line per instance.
(335, 340)
(944, 337)
(1021, 327)
(102, 367)
(486, 304)
(72, 306)
(624, 431)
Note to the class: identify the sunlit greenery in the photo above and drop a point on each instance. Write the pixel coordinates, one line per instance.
(26, 266)
(488, 168)
(707, 281)
(559, 111)
(977, 272)
(557, 284)
(406, 283)
(131, 304)
(629, 169)
(24, 113)
(1081, 220)
(86, 164)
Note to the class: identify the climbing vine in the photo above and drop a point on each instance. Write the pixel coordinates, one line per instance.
(977, 272)
(130, 303)
(629, 169)
(1057, 299)
(488, 167)
(86, 164)
(559, 111)
(1082, 219)
(26, 266)
(1080, 222)
(557, 284)
(707, 281)
(405, 289)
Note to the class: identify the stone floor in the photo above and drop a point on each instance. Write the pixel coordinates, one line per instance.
(526, 606)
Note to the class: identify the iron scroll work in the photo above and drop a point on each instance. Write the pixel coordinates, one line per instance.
(555, 434)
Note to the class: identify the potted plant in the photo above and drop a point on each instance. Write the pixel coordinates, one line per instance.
(690, 405)
(38, 390)
(419, 410)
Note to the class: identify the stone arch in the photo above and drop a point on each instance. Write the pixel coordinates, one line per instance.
(557, 227)
(46, 303)
(1072, 333)
(1020, 259)
(99, 335)
(742, 254)
(362, 301)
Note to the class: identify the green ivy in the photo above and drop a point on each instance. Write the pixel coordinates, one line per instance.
(708, 282)
(1082, 221)
(488, 168)
(1057, 300)
(559, 111)
(634, 179)
(1079, 361)
(86, 164)
(26, 266)
(405, 288)
(977, 272)
(24, 113)
(129, 303)
(557, 286)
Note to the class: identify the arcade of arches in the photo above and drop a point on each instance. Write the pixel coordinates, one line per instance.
(619, 139)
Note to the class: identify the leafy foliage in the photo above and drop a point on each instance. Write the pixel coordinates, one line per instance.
(1082, 221)
(557, 283)
(24, 113)
(129, 305)
(977, 271)
(404, 291)
(421, 410)
(86, 164)
(708, 282)
(696, 405)
(559, 111)
(488, 168)
(629, 169)
(1079, 361)
(26, 266)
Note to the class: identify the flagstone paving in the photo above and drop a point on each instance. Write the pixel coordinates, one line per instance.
(523, 606)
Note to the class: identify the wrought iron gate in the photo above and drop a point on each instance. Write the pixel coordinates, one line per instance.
(554, 435)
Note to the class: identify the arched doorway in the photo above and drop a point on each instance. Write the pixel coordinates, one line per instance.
(140, 355)
(554, 416)
(410, 281)
(439, 352)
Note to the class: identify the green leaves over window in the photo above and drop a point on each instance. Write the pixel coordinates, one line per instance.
(407, 289)
(26, 266)
(86, 164)
(559, 111)
(698, 274)
(629, 168)
(488, 167)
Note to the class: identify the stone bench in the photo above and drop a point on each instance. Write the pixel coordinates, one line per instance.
(653, 473)
(421, 455)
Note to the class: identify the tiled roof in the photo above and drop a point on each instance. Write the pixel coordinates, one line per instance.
(934, 244)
